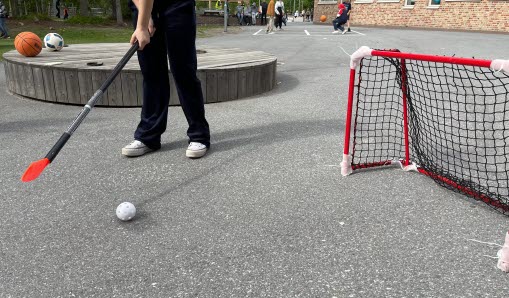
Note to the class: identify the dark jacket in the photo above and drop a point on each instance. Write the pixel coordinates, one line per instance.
(264, 7)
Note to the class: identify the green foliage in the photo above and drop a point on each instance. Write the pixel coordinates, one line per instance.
(36, 17)
(36, 7)
(91, 20)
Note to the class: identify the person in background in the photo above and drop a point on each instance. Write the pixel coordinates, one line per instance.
(279, 10)
(271, 13)
(254, 12)
(264, 13)
(348, 5)
(247, 15)
(66, 13)
(57, 6)
(340, 20)
(3, 16)
(240, 12)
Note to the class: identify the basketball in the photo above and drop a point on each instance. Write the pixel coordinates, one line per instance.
(28, 44)
(323, 18)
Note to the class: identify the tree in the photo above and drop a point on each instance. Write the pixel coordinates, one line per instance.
(14, 7)
(84, 7)
(113, 8)
(118, 8)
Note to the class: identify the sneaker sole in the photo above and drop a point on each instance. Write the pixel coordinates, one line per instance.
(135, 152)
(196, 153)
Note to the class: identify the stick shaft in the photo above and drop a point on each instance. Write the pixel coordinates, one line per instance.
(90, 104)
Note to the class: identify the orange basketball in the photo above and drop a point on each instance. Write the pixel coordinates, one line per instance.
(28, 44)
(323, 18)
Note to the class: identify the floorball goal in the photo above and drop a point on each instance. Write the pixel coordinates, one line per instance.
(445, 117)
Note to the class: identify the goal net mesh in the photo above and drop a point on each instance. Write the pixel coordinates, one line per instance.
(458, 123)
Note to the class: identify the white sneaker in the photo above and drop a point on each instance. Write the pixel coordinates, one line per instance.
(196, 150)
(136, 148)
(335, 32)
(343, 32)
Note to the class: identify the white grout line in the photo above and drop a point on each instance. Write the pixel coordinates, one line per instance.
(358, 32)
(258, 31)
(307, 33)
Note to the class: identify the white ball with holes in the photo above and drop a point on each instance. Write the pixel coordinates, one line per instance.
(126, 211)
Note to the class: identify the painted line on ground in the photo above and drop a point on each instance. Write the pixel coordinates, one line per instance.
(258, 32)
(307, 33)
(358, 32)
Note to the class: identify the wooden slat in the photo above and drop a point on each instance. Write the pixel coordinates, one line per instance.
(212, 87)
(257, 80)
(115, 93)
(86, 88)
(233, 85)
(38, 83)
(202, 76)
(222, 86)
(174, 97)
(8, 79)
(72, 87)
(60, 86)
(26, 83)
(12, 75)
(249, 81)
(9, 76)
(97, 80)
(242, 84)
(129, 93)
(273, 81)
(49, 84)
(139, 88)
(18, 70)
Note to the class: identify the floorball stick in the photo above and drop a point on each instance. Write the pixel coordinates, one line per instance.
(36, 168)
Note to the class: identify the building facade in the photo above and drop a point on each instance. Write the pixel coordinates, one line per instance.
(483, 15)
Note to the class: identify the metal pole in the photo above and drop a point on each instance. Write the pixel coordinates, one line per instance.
(226, 15)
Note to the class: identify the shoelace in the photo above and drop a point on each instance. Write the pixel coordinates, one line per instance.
(136, 143)
(196, 145)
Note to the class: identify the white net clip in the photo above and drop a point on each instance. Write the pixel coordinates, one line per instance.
(346, 165)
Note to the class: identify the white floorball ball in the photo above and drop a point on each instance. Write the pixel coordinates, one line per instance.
(126, 211)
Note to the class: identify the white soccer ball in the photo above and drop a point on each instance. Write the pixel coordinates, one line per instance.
(126, 211)
(53, 41)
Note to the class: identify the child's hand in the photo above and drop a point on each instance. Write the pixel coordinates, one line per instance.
(142, 36)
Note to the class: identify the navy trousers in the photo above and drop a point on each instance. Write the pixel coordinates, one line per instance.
(175, 36)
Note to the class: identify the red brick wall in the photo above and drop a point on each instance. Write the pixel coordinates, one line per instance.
(486, 15)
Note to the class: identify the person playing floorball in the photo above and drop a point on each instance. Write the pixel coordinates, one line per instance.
(167, 28)
(340, 20)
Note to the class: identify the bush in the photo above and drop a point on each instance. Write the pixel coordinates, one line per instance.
(81, 20)
(35, 17)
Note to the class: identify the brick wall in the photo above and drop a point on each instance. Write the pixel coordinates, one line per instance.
(485, 15)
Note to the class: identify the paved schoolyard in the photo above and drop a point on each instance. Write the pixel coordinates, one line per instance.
(265, 214)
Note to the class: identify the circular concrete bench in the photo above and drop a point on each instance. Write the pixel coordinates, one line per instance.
(64, 77)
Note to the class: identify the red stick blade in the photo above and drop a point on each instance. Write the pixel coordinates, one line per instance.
(34, 170)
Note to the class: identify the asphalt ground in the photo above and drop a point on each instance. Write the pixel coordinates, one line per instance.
(265, 214)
